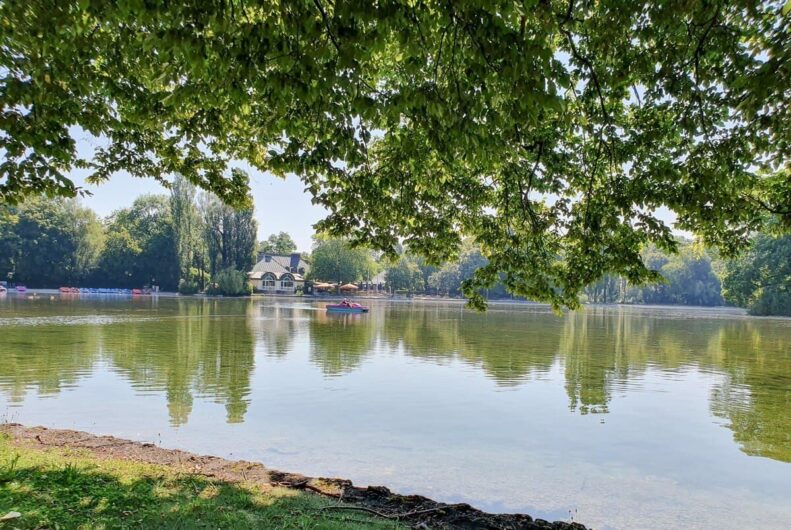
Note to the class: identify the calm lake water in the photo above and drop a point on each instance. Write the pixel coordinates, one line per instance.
(620, 417)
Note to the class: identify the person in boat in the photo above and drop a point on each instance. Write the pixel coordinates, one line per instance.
(346, 303)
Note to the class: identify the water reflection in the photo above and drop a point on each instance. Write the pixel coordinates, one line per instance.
(594, 358)
(275, 327)
(510, 351)
(755, 398)
(340, 342)
(604, 352)
(189, 349)
(44, 359)
(206, 349)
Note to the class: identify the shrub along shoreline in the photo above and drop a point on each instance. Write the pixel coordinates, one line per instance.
(61, 478)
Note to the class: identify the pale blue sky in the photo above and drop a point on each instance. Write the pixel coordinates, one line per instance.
(280, 205)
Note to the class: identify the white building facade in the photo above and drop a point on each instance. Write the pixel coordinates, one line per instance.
(278, 274)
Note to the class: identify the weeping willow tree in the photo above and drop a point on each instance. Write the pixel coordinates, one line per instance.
(549, 131)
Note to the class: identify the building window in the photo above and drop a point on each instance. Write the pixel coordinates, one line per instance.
(287, 283)
(269, 283)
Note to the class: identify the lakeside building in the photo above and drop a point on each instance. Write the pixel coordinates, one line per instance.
(275, 273)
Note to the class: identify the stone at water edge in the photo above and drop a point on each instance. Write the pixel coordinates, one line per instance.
(10, 515)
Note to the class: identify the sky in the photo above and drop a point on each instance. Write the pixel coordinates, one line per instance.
(280, 205)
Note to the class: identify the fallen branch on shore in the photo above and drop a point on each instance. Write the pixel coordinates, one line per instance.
(397, 516)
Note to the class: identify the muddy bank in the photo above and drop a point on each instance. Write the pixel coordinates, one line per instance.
(411, 510)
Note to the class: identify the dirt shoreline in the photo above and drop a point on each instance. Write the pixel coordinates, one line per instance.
(412, 510)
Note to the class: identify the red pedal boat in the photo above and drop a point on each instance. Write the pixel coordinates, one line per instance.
(346, 307)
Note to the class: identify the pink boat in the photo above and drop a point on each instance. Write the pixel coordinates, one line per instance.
(346, 307)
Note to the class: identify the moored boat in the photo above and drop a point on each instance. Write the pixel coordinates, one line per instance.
(21, 289)
(346, 307)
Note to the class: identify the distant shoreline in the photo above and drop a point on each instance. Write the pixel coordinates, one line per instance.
(51, 293)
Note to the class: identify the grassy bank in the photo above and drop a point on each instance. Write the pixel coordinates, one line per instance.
(72, 488)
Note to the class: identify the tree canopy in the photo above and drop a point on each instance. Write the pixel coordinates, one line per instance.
(689, 279)
(230, 235)
(140, 247)
(404, 275)
(335, 260)
(49, 243)
(760, 280)
(186, 226)
(281, 243)
(550, 131)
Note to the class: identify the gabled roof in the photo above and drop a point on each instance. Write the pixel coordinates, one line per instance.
(279, 265)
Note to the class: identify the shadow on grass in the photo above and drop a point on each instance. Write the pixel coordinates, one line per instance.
(101, 494)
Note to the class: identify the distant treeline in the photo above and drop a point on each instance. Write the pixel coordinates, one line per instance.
(192, 242)
(759, 280)
(692, 277)
(175, 242)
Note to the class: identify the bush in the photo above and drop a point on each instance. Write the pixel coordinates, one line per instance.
(188, 286)
(231, 282)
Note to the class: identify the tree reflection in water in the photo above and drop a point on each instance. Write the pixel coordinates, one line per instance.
(188, 348)
(340, 342)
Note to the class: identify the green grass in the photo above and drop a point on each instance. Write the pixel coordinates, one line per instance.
(62, 488)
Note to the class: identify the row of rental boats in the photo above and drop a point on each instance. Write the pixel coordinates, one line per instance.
(92, 290)
(81, 290)
(344, 307)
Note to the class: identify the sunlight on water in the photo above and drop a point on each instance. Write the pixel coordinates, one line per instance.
(620, 417)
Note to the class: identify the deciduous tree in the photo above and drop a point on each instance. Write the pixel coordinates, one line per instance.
(186, 226)
(230, 235)
(548, 131)
(404, 275)
(760, 280)
(49, 242)
(446, 280)
(280, 243)
(335, 260)
(140, 248)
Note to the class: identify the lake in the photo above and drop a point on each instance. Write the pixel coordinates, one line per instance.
(616, 417)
